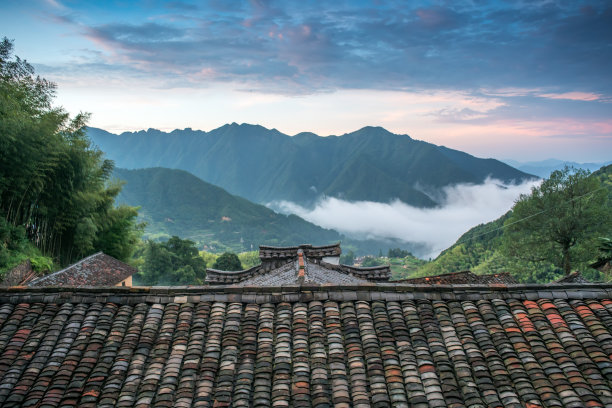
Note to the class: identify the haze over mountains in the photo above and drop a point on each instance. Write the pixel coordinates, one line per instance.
(265, 165)
(543, 168)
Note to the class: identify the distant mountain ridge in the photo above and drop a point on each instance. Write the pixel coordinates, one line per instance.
(265, 165)
(543, 168)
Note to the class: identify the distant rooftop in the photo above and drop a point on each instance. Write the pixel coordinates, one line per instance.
(574, 277)
(96, 270)
(304, 264)
(463, 277)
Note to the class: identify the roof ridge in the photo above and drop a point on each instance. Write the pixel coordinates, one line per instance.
(301, 246)
(305, 292)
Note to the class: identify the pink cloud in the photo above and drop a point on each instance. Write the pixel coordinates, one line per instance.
(544, 128)
(573, 96)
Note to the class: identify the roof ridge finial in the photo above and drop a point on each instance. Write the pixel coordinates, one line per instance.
(302, 269)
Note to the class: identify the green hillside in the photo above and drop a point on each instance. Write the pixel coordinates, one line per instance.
(175, 202)
(265, 165)
(478, 250)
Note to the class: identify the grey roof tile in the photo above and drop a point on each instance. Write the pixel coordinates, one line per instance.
(360, 350)
(96, 270)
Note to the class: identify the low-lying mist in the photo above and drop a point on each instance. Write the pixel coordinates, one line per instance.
(463, 206)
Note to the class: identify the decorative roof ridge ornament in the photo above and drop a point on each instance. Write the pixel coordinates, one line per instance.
(380, 273)
(313, 252)
(301, 268)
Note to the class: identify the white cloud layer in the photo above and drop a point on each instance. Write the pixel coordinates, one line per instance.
(464, 206)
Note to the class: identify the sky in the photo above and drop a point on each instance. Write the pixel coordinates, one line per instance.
(523, 80)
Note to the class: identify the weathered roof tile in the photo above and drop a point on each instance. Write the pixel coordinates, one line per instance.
(427, 352)
(96, 270)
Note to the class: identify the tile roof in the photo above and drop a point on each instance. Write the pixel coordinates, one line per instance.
(463, 277)
(289, 274)
(602, 265)
(19, 275)
(96, 270)
(290, 265)
(366, 345)
(574, 277)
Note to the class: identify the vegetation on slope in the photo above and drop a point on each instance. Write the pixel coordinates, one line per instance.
(174, 202)
(15, 248)
(54, 187)
(481, 248)
(560, 222)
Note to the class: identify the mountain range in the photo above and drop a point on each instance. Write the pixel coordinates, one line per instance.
(265, 165)
(175, 202)
(543, 168)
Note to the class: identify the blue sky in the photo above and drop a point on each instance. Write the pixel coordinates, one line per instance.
(525, 80)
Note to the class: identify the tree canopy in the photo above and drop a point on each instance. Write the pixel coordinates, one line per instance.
(398, 253)
(228, 261)
(53, 182)
(560, 221)
(174, 262)
(369, 261)
(348, 258)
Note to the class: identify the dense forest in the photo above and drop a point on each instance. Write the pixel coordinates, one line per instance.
(56, 201)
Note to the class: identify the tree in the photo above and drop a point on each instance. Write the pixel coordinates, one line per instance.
(228, 261)
(560, 220)
(175, 262)
(249, 259)
(370, 261)
(398, 253)
(347, 258)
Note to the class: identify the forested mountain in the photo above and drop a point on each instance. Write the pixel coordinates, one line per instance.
(265, 165)
(175, 202)
(479, 249)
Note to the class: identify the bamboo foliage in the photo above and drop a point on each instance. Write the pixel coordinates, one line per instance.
(53, 181)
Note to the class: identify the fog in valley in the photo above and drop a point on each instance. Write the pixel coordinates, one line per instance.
(462, 207)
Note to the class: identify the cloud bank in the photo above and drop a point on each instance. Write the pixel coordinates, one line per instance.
(464, 206)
